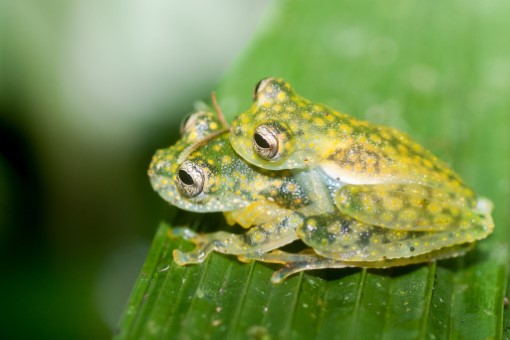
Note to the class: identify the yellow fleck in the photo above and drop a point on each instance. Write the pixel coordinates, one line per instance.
(226, 159)
(277, 108)
(346, 128)
(282, 96)
(333, 228)
(375, 138)
(408, 215)
(393, 203)
(319, 121)
(402, 149)
(434, 208)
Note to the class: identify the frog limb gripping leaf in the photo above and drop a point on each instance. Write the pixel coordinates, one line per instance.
(294, 263)
(258, 239)
(383, 178)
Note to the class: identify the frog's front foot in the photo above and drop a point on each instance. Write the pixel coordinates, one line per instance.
(195, 256)
(254, 241)
(204, 245)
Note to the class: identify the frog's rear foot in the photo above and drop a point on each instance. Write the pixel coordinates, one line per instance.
(293, 263)
(484, 205)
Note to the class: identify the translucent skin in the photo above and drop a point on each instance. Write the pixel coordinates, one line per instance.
(356, 152)
(277, 210)
(230, 183)
(382, 176)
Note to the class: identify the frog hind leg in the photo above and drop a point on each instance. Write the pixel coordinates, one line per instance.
(295, 263)
(346, 239)
(406, 206)
(433, 255)
(260, 238)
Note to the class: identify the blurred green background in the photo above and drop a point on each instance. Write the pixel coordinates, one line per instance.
(88, 91)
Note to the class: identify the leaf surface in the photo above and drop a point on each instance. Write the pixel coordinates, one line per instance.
(437, 70)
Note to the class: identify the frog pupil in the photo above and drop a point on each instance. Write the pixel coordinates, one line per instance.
(185, 178)
(261, 141)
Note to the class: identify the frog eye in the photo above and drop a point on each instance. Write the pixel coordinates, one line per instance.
(183, 128)
(258, 88)
(190, 179)
(265, 141)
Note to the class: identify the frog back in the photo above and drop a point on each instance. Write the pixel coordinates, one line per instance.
(283, 130)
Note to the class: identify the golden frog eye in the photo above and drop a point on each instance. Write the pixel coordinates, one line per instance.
(265, 142)
(190, 179)
(258, 88)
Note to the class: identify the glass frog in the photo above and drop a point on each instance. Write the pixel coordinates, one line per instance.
(202, 173)
(382, 177)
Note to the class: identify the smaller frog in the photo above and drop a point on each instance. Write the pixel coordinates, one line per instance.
(382, 176)
(202, 173)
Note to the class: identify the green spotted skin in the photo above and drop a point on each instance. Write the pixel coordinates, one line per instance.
(405, 206)
(383, 177)
(349, 240)
(230, 182)
(279, 206)
(355, 151)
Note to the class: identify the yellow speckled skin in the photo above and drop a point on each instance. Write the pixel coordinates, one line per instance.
(383, 177)
(251, 197)
(277, 210)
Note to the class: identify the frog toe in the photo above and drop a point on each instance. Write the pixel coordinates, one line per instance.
(196, 256)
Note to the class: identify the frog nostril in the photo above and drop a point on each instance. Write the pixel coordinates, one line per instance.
(185, 178)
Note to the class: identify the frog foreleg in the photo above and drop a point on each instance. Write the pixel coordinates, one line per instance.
(262, 238)
(407, 207)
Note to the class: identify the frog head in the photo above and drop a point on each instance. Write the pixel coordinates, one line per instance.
(281, 130)
(202, 173)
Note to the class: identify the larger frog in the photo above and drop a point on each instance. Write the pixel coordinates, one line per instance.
(382, 177)
(201, 172)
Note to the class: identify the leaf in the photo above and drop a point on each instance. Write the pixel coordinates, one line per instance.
(222, 297)
(437, 70)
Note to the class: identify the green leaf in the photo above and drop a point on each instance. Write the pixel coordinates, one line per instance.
(437, 70)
